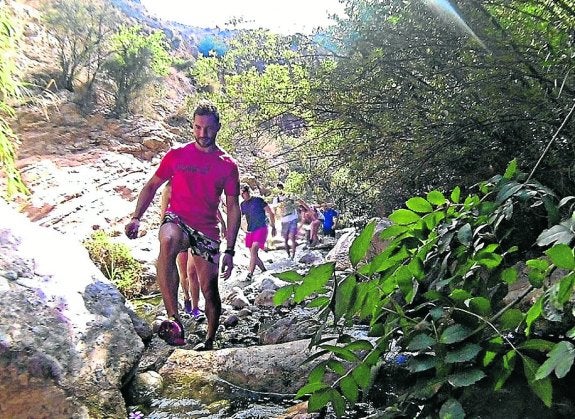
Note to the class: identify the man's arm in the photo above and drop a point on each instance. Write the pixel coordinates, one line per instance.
(165, 199)
(272, 218)
(222, 223)
(144, 199)
(233, 216)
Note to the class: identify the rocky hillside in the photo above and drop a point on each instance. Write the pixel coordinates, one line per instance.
(84, 170)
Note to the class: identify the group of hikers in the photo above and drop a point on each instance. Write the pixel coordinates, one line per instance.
(196, 176)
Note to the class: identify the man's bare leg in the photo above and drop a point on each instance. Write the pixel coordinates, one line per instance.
(172, 241)
(208, 279)
(293, 245)
(287, 246)
(182, 261)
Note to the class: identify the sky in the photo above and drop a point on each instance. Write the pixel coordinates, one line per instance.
(283, 16)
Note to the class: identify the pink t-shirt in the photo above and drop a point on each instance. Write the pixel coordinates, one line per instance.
(198, 179)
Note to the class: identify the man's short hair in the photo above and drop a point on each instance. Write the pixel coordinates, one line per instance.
(205, 107)
(245, 188)
(280, 185)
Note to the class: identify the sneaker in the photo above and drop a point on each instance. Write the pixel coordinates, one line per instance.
(188, 306)
(208, 345)
(172, 332)
(198, 315)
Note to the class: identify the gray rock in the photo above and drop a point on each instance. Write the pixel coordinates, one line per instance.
(67, 342)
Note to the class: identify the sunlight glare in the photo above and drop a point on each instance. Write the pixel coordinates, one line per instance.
(445, 10)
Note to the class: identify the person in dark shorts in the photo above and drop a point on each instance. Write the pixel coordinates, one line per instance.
(329, 220)
(286, 209)
(186, 268)
(255, 209)
(199, 173)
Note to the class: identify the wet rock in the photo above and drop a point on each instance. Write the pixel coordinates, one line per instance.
(231, 321)
(144, 388)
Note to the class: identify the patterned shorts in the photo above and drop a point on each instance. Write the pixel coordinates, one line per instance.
(200, 244)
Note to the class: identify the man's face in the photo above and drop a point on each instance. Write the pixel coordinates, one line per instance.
(245, 195)
(205, 130)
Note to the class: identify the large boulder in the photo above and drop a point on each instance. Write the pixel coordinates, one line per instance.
(67, 342)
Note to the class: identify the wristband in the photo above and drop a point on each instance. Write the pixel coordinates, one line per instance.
(230, 252)
(135, 218)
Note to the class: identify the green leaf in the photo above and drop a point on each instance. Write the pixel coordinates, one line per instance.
(436, 198)
(404, 217)
(511, 319)
(419, 204)
(341, 352)
(421, 363)
(511, 169)
(533, 314)
(310, 388)
(343, 296)
(464, 354)
(565, 290)
(318, 400)
(336, 366)
(537, 344)
(451, 409)
(317, 373)
(456, 194)
(508, 190)
(562, 256)
(543, 388)
(560, 233)
(455, 333)
(361, 244)
(560, 360)
(488, 259)
(283, 294)
(359, 345)
(362, 375)
(421, 341)
(488, 358)
(318, 302)
(338, 403)
(393, 231)
(314, 281)
(349, 388)
(460, 295)
(289, 276)
(507, 367)
(480, 306)
(509, 276)
(465, 378)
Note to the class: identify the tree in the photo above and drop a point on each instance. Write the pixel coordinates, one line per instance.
(81, 30)
(9, 86)
(427, 104)
(137, 59)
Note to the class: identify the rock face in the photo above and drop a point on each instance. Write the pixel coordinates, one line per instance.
(266, 369)
(67, 342)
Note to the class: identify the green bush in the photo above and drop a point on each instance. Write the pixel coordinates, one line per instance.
(116, 263)
(439, 293)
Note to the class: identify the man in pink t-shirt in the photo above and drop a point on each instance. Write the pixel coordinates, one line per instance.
(199, 172)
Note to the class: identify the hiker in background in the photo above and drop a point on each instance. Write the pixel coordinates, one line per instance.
(199, 172)
(310, 222)
(330, 216)
(255, 209)
(286, 211)
(185, 262)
